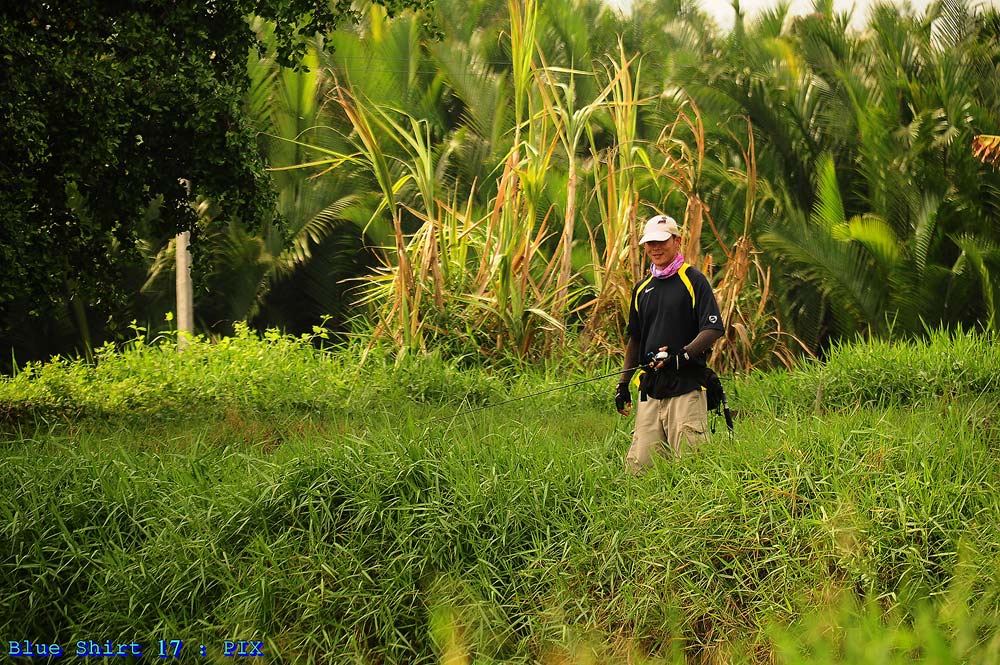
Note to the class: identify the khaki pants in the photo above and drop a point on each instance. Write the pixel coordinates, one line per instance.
(675, 424)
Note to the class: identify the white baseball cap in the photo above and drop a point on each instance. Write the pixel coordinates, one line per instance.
(660, 227)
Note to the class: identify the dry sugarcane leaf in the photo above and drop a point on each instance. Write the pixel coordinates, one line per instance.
(986, 148)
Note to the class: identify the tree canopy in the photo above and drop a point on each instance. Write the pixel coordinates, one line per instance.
(115, 110)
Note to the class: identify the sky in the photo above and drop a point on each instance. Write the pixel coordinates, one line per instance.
(722, 10)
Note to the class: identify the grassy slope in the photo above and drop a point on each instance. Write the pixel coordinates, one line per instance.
(314, 506)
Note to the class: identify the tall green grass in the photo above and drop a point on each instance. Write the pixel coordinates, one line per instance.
(273, 375)
(876, 373)
(315, 505)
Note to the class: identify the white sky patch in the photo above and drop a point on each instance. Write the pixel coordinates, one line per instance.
(722, 10)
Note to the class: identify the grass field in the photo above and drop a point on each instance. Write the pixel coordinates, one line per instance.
(259, 490)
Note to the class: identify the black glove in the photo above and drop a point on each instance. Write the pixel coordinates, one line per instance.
(622, 396)
(675, 361)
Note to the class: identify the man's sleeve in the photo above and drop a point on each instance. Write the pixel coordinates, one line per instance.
(709, 316)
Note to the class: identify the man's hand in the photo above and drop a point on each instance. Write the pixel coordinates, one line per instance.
(673, 361)
(623, 399)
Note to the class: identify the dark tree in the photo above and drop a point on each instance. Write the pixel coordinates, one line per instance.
(110, 107)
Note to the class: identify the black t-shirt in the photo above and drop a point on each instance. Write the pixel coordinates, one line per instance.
(671, 312)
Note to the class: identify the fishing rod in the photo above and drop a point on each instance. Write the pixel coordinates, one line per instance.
(540, 392)
(651, 362)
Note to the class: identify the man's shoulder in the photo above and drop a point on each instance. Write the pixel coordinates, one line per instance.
(706, 293)
(698, 278)
(693, 273)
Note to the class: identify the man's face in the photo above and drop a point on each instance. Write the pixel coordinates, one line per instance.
(662, 252)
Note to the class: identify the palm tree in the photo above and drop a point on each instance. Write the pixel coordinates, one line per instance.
(891, 108)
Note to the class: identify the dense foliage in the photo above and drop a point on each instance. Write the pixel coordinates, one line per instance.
(313, 505)
(116, 117)
(825, 175)
(485, 185)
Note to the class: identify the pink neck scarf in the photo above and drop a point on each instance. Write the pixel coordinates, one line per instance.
(670, 270)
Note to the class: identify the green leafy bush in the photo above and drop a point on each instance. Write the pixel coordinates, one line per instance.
(344, 523)
(879, 373)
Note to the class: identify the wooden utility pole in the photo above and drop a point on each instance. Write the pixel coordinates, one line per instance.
(185, 291)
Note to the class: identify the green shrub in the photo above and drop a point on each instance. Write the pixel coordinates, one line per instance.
(877, 373)
(343, 523)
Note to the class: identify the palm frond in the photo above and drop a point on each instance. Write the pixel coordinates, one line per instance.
(483, 92)
(769, 22)
(953, 24)
(828, 210)
(984, 257)
(881, 241)
(840, 271)
(923, 235)
(385, 65)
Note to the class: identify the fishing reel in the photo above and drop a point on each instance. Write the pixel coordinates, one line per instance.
(653, 358)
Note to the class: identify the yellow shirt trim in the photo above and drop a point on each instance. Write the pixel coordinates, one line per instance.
(638, 290)
(687, 282)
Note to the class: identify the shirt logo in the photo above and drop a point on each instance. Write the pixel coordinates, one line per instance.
(713, 318)
(648, 290)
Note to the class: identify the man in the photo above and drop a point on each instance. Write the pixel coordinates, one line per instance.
(673, 312)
